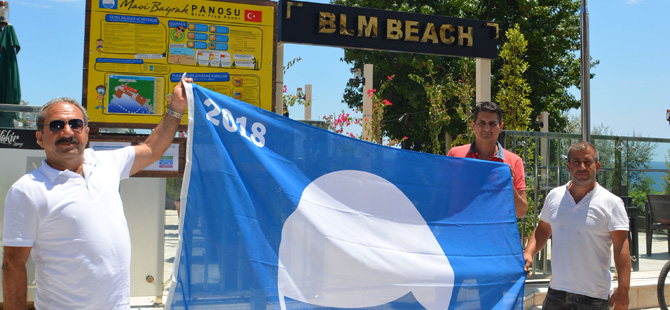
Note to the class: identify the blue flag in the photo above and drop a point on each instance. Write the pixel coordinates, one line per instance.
(277, 214)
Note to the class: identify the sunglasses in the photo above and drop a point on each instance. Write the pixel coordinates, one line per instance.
(58, 125)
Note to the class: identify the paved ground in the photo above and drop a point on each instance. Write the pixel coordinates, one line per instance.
(647, 275)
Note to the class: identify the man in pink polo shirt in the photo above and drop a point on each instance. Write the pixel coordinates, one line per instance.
(487, 125)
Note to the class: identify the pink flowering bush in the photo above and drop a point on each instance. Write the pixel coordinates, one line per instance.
(396, 142)
(340, 123)
(373, 126)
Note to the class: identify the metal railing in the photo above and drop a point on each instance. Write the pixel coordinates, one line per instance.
(6, 107)
(14, 116)
(631, 167)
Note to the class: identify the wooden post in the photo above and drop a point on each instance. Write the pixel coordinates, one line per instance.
(279, 80)
(367, 101)
(483, 79)
(308, 102)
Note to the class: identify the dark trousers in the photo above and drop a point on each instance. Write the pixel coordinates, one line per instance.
(560, 300)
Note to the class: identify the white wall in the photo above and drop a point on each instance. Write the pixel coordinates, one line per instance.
(144, 205)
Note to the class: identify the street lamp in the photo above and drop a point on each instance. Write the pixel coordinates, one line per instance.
(538, 121)
(667, 115)
(357, 76)
(300, 94)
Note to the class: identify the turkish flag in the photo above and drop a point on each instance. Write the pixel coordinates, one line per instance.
(253, 16)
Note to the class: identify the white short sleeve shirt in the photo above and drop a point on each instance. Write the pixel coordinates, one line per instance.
(77, 230)
(581, 241)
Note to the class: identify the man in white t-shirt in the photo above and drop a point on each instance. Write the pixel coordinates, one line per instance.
(585, 221)
(68, 215)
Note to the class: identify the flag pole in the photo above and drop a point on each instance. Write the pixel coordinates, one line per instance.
(586, 75)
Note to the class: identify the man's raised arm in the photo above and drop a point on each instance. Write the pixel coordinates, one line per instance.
(161, 138)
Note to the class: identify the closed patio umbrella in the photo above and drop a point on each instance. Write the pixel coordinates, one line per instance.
(10, 87)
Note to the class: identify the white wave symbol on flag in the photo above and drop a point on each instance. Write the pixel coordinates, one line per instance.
(356, 240)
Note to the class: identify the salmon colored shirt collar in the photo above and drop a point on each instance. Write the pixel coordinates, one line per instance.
(499, 156)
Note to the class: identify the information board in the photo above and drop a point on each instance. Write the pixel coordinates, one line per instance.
(138, 51)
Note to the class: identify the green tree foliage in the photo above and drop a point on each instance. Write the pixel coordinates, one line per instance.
(552, 31)
(639, 191)
(666, 177)
(173, 188)
(632, 155)
(513, 99)
(526, 149)
(513, 93)
(437, 94)
(289, 99)
(574, 124)
(465, 94)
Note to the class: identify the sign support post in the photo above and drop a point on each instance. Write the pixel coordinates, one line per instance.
(483, 79)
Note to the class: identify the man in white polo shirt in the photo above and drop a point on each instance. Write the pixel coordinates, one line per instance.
(69, 216)
(585, 221)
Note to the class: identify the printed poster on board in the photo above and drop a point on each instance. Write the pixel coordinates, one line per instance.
(139, 50)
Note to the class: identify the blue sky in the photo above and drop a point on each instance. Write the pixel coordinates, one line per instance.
(629, 37)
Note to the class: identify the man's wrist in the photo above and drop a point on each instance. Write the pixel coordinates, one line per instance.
(174, 113)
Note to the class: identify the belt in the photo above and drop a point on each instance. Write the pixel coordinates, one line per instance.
(564, 295)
